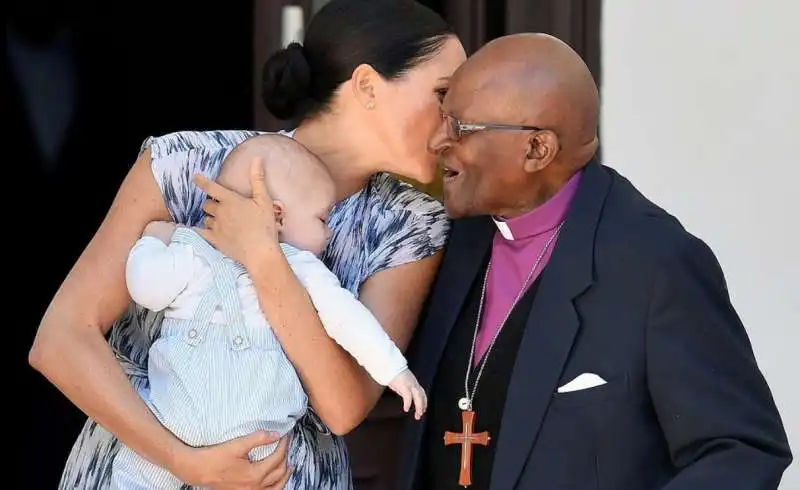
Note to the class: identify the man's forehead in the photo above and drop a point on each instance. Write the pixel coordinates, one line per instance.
(475, 93)
(459, 95)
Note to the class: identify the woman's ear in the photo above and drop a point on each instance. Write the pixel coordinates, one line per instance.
(364, 81)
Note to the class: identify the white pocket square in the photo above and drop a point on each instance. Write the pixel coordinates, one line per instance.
(582, 382)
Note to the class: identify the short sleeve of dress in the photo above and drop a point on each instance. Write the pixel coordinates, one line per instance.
(178, 157)
(409, 227)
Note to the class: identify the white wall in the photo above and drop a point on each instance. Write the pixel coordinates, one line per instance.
(701, 110)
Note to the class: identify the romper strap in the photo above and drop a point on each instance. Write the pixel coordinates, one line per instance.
(203, 316)
(190, 237)
(224, 272)
(225, 281)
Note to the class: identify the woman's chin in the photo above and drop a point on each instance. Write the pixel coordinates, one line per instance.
(426, 178)
(428, 171)
(421, 169)
(422, 178)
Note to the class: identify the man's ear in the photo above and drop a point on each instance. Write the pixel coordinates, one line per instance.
(280, 211)
(364, 80)
(542, 148)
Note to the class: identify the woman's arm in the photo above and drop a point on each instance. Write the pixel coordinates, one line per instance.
(347, 321)
(340, 391)
(70, 348)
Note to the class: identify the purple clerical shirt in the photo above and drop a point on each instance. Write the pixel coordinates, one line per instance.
(515, 247)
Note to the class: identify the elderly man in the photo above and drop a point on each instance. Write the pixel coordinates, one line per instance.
(578, 338)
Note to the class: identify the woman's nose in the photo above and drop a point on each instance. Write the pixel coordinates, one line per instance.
(439, 142)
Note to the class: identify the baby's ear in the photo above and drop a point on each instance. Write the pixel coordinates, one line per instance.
(279, 210)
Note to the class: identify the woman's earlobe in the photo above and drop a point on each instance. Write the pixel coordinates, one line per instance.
(363, 85)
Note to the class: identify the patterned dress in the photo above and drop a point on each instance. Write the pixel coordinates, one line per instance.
(386, 224)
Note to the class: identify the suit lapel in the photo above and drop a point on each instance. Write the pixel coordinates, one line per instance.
(467, 249)
(550, 330)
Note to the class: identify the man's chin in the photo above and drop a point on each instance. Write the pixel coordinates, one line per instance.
(453, 209)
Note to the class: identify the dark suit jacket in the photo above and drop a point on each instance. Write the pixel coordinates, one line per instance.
(633, 297)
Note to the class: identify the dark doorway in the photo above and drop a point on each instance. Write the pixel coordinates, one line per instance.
(119, 76)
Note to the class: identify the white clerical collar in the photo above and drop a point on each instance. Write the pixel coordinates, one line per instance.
(504, 229)
(541, 219)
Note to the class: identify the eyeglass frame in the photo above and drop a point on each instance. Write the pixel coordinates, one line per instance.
(463, 128)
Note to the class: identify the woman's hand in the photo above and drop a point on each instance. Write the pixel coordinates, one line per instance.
(226, 466)
(240, 227)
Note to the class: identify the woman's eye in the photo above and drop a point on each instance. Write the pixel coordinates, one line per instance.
(440, 93)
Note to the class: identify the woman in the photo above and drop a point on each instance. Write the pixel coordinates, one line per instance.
(366, 88)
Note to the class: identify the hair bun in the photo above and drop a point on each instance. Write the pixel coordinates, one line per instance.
(286, 82)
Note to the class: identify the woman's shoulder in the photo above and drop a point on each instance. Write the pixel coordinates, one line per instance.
(185, 141)
(405, 223)
(394, 195)
(177, 157)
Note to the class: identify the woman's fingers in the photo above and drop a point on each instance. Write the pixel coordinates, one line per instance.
(258, 182)
(273, 469)
(213, 189)
(269, 485)
(210, 207)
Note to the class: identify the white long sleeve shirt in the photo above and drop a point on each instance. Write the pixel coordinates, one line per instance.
(173, 278)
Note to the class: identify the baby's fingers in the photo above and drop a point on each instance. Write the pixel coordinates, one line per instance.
(420, 402)
(408, 399)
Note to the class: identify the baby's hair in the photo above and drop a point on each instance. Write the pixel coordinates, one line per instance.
(286, 163)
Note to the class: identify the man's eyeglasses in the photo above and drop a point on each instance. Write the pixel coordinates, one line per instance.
(457, 129)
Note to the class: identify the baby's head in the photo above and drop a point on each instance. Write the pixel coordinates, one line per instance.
(296, 179)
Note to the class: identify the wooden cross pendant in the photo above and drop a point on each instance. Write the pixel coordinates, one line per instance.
(466, 438)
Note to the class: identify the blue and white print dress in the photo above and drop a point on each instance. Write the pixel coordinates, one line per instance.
(386, 224)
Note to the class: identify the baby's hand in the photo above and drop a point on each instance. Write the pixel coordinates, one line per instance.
(406, 385)
(162, 230)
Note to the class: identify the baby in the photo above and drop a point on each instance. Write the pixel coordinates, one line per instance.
(217, 371)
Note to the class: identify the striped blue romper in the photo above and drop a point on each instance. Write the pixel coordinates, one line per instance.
(201, 370)
(386, 224)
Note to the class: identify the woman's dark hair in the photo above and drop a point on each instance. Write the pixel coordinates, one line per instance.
(393, 36)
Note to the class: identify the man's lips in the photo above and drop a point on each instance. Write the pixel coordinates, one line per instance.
(449, 173)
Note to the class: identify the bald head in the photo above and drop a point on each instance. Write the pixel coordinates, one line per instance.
(522, 120)
(290, 168)
(537, 80)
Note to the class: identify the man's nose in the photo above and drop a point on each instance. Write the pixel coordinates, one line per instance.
(439, 142)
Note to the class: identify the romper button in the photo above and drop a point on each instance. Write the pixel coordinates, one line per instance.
(192, 333)
(237, 340)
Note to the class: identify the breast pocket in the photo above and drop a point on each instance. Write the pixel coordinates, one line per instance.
(615, 388)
